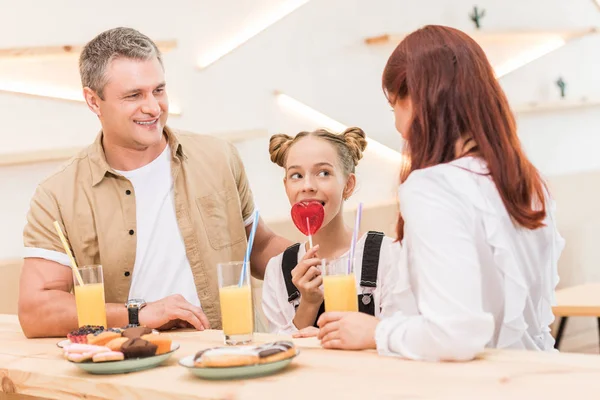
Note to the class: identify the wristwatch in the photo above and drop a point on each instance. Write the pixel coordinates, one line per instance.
(133, 310)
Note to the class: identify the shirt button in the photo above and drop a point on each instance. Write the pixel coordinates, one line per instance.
(126, 273)
(128, 192)
(131, 232)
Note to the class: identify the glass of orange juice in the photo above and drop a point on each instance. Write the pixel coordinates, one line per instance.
(91, 308)
(235, 295)
(339, 285)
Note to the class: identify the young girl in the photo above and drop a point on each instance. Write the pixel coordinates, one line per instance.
(319, 166)
(476, 219)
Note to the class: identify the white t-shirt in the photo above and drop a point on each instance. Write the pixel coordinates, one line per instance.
(392, 294)
(161, 266)
(479, 279)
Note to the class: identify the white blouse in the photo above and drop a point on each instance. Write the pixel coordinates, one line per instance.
(479, 279)
(391, 294)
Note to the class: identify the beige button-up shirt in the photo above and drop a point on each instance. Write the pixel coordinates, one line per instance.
(97, 210)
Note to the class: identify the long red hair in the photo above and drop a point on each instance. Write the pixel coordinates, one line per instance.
(455, 94)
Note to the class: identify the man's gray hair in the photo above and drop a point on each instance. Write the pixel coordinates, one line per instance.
(109, 45)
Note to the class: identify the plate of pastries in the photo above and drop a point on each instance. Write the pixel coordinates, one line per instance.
(97, 350)
(236, 362)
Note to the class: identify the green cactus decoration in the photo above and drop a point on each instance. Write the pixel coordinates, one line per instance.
(562, 86)
(476, 16)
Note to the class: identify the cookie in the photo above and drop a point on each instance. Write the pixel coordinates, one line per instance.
(79, 352)
(81, 348)
(138, 348)
(115, 344)
(102, 338)
(220, 357)
(77, 357)
(163, 342)
(276, 351)
(108, 356)
(136, 333)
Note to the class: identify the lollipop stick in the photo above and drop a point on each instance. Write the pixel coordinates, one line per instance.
(310, 242)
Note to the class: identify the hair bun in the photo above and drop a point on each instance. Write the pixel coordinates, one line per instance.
(356, 140)
(279, 145)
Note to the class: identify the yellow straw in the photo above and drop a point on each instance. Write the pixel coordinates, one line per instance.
(68, 251)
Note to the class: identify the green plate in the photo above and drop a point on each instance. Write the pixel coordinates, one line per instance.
(131, 365)
(248, 371)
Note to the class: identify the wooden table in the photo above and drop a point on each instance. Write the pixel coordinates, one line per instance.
(576, 301)
(35, 368)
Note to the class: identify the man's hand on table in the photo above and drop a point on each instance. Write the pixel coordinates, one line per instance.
(173, 312)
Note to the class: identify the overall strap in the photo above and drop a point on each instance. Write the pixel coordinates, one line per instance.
(288, 263)
(370, 266)
(370, 261)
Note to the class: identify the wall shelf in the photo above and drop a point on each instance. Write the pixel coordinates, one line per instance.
(63, 154)
(65, 50)
(557, 105)
(484, 37)
(508, 51)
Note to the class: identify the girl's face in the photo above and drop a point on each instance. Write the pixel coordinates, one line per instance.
(313, 172)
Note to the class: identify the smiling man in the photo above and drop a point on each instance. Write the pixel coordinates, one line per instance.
(157, 208)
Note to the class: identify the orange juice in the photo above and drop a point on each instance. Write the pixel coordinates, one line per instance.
(340, 293)
(90, 304)
(236, 310)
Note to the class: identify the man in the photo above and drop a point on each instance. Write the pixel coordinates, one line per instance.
(156, 208)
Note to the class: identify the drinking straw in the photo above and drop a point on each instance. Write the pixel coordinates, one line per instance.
(249, 248)
(354, 236)
(68, 251)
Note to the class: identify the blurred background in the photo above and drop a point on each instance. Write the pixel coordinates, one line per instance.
(246, 69)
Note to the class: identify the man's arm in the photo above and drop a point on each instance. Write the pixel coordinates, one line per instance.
(266, 243)
(46, 306)
(266, 246)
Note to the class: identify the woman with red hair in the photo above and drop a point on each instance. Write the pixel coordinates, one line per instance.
(475, 217)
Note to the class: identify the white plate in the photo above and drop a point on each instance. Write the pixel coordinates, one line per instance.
(124, 366)
(247, 371)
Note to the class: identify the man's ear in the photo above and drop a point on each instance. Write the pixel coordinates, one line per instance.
(92, 100)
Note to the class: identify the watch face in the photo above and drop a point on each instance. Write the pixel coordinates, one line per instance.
(136, 302)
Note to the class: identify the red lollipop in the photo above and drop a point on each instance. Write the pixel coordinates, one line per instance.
(308, 217)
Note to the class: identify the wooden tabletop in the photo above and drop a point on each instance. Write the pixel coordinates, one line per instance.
(36, 368)
(578, 301)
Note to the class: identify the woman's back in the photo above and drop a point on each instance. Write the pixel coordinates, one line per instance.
(517, 266)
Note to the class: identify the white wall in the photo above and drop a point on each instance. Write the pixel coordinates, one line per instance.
(316, 55)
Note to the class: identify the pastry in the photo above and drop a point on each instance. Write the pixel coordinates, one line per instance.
(80, 335)
(244, 355)
(108, 356)
(163, 342)
(137, 332)
(138, 348)
(115, 344)
(276, 351)
(85, 348)
(102, 338)
(78, 357)
(226, 357)
(79, 352)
